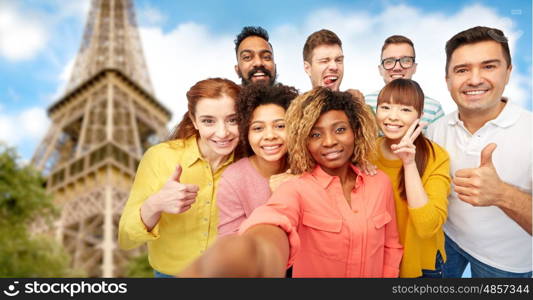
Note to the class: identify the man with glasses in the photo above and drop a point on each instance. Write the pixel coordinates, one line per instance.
(398, 61)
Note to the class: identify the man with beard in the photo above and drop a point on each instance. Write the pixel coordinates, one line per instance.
(255, 57)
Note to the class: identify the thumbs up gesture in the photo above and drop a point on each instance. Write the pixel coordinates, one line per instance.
(479, 186)
(175, 197)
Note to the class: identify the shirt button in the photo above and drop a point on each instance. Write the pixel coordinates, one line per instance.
(209, 184)
(207, 202)
(206, 219)
(205, 233)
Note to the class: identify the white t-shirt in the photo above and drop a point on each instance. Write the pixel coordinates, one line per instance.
(487, 233)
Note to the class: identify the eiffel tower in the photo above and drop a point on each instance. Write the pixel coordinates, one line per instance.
(100, 128)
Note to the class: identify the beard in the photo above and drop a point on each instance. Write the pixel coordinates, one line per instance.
(247, 81)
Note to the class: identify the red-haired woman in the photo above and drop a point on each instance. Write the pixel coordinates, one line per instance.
(171, 205)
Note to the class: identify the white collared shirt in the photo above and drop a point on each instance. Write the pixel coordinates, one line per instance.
(487, 233)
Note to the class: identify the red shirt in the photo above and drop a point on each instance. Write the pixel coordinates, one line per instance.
(327, 237)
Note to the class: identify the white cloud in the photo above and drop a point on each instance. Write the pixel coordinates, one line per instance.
(21, 36)
(178, 59)
(28, 126)
(149, 15)
(191, 52)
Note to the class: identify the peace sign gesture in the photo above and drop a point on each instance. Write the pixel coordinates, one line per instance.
(405, 149)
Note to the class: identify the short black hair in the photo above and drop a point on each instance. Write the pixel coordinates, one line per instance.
(248, 31)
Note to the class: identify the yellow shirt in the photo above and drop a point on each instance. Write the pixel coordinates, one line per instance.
(420, 229)
(177, 239)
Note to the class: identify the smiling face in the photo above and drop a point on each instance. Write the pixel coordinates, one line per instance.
(331, 142)
(255, 61)
(326, 66)
(266, 133)
(397, 51)
(216, 122)
(395, 119)
(477, 75)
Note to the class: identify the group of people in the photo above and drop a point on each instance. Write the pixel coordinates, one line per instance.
(259, 180)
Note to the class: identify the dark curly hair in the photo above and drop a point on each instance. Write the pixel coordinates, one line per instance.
(255, 95)
(248, 31)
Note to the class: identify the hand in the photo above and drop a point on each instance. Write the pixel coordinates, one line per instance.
(225, 259)
(368, 168)
(479, 186)
(405, 149)
(276, 180)
(175, 197)
(357, 94)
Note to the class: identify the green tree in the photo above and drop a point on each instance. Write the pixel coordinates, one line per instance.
(138, 266)
(23, 199)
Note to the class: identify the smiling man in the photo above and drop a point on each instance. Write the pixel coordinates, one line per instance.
(255, 56)
(489, 140)
(398, 61)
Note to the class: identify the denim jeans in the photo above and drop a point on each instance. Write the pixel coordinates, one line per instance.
(437, 273)
(457, 260)
(158, 274)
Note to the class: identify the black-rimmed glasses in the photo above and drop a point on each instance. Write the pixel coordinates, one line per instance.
(405, 62)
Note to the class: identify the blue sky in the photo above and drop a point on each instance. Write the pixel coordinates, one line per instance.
(186, 41)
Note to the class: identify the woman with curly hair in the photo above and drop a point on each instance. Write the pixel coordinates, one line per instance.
(420, 172)
(244, 185)
(331, 221)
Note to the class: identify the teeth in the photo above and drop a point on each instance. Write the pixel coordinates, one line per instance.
(271, 147)
(333, 155)
(222, 143)
(259, 74)
(330, 79)
(474, 92)
(397, 76)
(392, 127)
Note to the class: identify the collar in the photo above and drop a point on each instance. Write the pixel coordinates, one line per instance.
(324, 179)
(192, 152)
(507, 117)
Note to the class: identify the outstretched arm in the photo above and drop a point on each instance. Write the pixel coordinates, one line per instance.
(262, 251)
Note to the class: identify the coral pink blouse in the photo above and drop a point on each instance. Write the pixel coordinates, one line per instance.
(327, 236)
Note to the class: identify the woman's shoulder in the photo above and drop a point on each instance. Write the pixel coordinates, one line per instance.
(439, 152)
(165, 150)
(380, 178)
(239, 167)
(241, 172)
